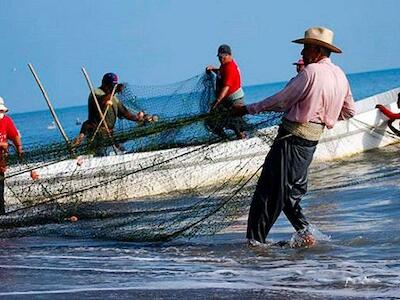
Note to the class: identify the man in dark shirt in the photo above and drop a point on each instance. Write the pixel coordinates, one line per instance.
(110, 107)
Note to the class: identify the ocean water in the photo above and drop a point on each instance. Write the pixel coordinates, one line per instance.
(38, 127)
(353, 204)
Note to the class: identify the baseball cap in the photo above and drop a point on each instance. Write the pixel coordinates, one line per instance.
(110, 78)
(3, 107)
(224, 49)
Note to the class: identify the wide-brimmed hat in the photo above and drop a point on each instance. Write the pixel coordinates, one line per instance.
(319, 36)
(2, 105)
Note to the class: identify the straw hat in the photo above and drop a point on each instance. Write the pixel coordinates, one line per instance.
(319, 36)
(2, 106)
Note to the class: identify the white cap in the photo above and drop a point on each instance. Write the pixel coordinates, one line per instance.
(2, 106)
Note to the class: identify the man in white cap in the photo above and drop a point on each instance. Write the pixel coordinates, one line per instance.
(316, 98)
(8, 131)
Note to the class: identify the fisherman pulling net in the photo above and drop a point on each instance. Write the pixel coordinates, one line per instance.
(391, 115)
(140, 195)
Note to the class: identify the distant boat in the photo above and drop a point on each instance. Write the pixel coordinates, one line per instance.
(78, 121)
(51, 126)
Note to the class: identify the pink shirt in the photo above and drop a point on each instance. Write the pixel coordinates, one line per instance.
(320, 93)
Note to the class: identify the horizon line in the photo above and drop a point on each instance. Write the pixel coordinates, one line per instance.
(247, 86)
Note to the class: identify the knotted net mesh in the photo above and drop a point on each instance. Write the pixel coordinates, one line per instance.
(174, 177)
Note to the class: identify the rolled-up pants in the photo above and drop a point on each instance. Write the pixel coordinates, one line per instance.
(282, 184)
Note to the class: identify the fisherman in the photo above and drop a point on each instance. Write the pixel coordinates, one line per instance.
(111, 108)
(316, 98)
(8, 131)
(299, 65)
(229, 92)
(391, 115)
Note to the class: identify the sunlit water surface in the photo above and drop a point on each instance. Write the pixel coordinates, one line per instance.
(353, 204)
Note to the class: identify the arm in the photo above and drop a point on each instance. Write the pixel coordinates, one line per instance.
(18, 145)
(349, 108)
(14, 136)
(282, 101)
(221, 96)
(124, 113)
(396, 131)
(211, 68)
(387, 112)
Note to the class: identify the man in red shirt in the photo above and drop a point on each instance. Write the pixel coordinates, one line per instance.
(8, 131)
(391, 115)
(229, 91)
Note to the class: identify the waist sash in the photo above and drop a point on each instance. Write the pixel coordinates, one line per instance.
(309, 131)
(236, 95)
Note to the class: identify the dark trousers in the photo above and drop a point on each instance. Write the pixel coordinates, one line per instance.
(282, 184)
(2, 207)
(223, 119)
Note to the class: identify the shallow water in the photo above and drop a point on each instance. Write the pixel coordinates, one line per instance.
(354, 204)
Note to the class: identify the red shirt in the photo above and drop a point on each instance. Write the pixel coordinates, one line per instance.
(229, 75)
(8, 131)
(388, 113)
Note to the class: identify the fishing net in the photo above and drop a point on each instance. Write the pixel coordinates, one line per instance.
(173, 178)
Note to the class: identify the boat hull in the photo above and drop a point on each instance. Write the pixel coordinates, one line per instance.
(180, 170)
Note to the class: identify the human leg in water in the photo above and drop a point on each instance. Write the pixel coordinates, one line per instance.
(282, 184)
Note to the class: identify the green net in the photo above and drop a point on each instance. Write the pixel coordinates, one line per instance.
(173, 178)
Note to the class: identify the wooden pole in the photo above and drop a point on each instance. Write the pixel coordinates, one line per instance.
(52, 111)
(102, 116)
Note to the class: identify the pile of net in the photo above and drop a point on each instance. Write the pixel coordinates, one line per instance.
(174, 178)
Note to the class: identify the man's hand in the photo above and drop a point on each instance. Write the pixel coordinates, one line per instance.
(120, 87)
(210, 68)
(378, 106)
(21, 154)
(108, 100)
(4, 146)
(140, 116)
(239, 110)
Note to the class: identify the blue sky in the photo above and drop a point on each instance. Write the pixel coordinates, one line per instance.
(159, 42)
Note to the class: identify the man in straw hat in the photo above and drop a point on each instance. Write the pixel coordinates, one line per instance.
(8, 131)
(316, 98)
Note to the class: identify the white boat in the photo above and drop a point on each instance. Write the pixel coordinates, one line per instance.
(179, 170)
(51, 126)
